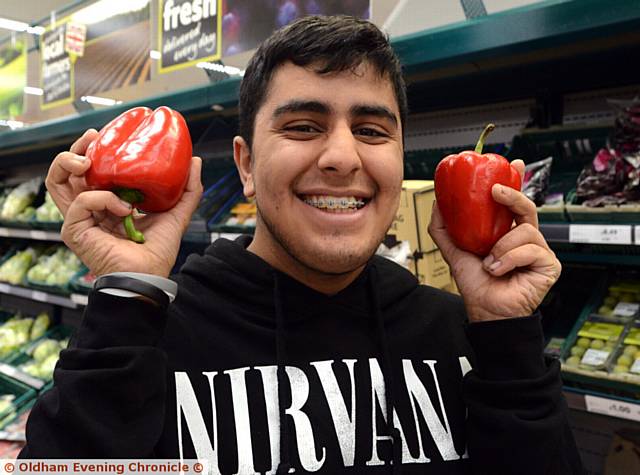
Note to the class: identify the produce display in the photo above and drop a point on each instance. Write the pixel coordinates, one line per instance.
(56, 269)
(536, 180)
(15, 268)
(44, 357)
(613, 178)
(596, 343)
(19, 199)
(144, 157)
(463, 185)
(242, 214)
(627, 359)
(19, 330)
(622, 300)
(48, 211)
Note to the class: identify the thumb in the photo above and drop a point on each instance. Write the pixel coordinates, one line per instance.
(192, 193)
(438, 231)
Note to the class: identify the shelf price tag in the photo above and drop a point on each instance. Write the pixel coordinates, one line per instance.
(612, 407)
(600, 234)
(40, 296)
(4, 288)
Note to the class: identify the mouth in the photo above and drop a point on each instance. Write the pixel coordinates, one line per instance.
(335, 204)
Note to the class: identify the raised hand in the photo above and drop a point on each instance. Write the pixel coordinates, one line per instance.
(93, 218)
(521, 268)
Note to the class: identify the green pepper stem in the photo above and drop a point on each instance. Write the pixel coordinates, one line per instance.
(131, 196)
(132, 232)
(483, 136)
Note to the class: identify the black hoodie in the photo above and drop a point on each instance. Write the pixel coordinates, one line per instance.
(245, 347)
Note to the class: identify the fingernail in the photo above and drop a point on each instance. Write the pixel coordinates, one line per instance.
(488, 260)
(128, 205)
(493, 267)
(80, 158)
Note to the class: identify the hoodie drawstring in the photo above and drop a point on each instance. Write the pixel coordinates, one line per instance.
(387, 371)
(281, 360)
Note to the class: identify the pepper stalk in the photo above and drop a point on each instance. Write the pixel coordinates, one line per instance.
(132, 197)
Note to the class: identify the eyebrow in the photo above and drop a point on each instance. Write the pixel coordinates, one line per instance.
(302, 106)
(358, 110)
(376, 111)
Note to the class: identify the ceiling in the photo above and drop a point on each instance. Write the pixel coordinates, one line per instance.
(29, 11)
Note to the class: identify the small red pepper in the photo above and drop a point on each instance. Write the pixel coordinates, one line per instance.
(144, 157)
(463, 184)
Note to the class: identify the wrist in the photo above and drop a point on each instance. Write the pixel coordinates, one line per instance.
(477, 313)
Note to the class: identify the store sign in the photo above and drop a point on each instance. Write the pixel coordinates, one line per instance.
(189, 32)
(75, 38)
(104, 46)
(13, 78)
(56, 68)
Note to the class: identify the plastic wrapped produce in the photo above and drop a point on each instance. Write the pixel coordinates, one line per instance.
(56, 269)
(40, 326)
(14, 333)
(19, 198)
(536, 180)
(48, 211)
(16, 267)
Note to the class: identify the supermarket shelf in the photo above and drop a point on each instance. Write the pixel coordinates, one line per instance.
(37, 295)
(614, 234)
(605, 404)
(34, 234)
(542, 25)
(548, 24)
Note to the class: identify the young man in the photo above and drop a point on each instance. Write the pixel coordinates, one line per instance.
(298, 350)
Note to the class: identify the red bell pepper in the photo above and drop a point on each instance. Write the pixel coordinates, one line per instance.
(463, 182)
(144, 157)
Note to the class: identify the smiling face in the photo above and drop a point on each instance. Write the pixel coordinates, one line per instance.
(325, 169)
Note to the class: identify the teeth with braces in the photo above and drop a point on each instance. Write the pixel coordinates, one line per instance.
(335, 203)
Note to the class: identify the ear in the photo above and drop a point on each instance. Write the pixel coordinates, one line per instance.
(242, 157)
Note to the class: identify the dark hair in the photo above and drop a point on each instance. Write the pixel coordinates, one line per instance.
(333, 43)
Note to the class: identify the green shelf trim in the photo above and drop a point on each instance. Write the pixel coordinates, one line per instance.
(187, 101)
(544, 24)
(540, 25)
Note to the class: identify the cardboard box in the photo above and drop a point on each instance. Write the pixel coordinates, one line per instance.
(431, 269)
(414, 215)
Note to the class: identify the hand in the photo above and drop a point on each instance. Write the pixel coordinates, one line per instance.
(521, 268)
(93, 218)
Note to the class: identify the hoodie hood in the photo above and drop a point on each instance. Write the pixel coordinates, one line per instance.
(230, 267)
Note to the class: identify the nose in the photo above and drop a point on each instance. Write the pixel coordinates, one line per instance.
(340, 155)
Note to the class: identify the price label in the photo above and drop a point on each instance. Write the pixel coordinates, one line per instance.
(626, 309)
(5, 232)
(635, 367)
(80, 299)
(612, 407)
(40, 296)
(4, 288)
(600, 234)
(39, 235)
(593, 357)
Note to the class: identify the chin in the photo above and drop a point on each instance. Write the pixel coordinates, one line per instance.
(335, 258)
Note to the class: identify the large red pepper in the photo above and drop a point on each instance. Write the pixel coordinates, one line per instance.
(144, 157)
(463, 184)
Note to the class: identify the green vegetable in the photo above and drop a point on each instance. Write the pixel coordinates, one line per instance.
(45, 349)
(19, 198)
(40, 326)
(14, 269)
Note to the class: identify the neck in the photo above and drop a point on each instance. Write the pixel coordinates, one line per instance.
(265, 246)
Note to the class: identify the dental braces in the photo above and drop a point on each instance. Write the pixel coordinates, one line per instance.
(332, 204)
